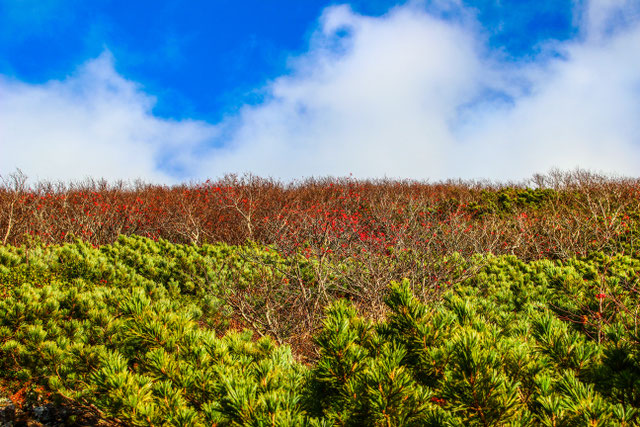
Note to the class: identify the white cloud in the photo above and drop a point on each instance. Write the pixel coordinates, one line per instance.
(406, 94)
(398, 96)
(96, 124)
(601, 18)
(381, 105)
(583, 111)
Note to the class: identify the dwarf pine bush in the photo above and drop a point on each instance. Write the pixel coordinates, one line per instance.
(138, 332)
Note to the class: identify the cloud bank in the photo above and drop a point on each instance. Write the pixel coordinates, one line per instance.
(409, 94)
(93, 124)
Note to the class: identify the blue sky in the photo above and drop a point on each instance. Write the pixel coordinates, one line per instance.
(203, 60)
(239, 86)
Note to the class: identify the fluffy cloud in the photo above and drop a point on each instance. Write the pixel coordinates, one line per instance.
(372, 97)
(407, 94)
(95, 124)
(602, 18)
(582, 111)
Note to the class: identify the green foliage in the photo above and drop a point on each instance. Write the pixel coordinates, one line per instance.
(143, 360)
(498, 349)
(506, 200)
(135, 330)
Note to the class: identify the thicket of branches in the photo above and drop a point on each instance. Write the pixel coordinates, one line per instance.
(556, 215)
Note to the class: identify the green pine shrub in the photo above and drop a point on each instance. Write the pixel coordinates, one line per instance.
(138, 332)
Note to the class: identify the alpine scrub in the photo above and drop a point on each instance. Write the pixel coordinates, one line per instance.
(327, 302)
(144, 332)
(122, 337)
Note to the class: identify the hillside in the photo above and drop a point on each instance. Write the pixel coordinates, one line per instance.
(326, 302)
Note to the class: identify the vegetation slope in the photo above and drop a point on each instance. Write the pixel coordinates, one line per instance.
(332, 302)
